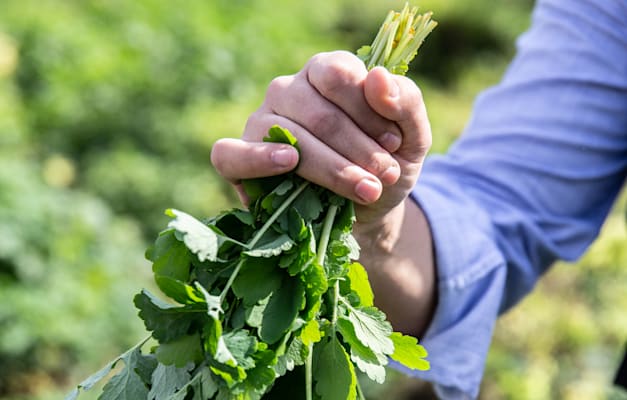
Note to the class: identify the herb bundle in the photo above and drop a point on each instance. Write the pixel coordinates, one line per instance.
(267, 302)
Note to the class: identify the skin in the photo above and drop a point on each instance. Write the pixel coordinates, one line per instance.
(364, 135)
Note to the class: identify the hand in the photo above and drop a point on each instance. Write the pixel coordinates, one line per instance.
(362, 134)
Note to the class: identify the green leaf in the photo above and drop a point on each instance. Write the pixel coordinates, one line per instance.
(178, 290)
(242, 346)
(366, 360)
(372, 329)
(308, 204)
(358, 278)
(282, 310)
(311, 333)
(334, 373)
(271, 245)
(92, 380)
(198, 237)
(166, 321)
(127, 384)
(205, 387)
(180, 351)
(408, 352)
(277, 134)
(316, 284)
(170, 257)
(145, 366)
(254, 315)
(257, 279)
(166, 380)
(295, 355)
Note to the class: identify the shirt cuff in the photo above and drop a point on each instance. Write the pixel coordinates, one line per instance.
(471, 277)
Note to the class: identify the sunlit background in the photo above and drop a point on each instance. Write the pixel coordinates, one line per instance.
(108, 111)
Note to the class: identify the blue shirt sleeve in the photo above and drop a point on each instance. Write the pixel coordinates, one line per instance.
(530, 181)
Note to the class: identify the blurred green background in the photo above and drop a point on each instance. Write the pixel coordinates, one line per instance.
(108, 110)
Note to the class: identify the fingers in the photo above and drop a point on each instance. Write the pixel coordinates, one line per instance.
(358, 131)
(300, 102)
(236, 159)
(398, 99)
(339, 77)
(320, 163)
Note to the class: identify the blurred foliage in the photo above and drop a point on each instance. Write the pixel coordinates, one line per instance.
(108, 111)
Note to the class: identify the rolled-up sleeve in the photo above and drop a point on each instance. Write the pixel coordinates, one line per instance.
(530, 181)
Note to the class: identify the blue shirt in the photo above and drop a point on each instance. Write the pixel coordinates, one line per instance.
(530, 181)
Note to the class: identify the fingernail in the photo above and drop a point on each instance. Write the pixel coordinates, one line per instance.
(391, 175)
(368, 190)
(283, 157)
(390, 142)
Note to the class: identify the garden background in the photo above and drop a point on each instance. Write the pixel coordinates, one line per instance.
(108, 110)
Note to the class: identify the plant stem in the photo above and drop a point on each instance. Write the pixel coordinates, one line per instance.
(276, 214)
(309, 373)
(260, 233)
(360, 393)
(320, 256)
(325, 235)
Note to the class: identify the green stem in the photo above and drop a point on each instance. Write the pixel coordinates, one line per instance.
(277, 214)
(325, 236)
(309, 373)
(260, 234)
(334, 300)
(360, 393)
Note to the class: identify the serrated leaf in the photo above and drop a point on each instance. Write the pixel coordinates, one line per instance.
(373, 365)
(205, 387)
(181, 351)
(359, 283)
(311, 333)
(334, 373)
(371, 328)
(408, 352)
(127, 384)
(145, 366)
(271, 246)
(166, 322)
(242, 346)
(166, 380)
(198, 237)
(316, 284)
(295, 355)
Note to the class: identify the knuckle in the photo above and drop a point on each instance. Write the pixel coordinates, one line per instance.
(278, 85)
(323, 123)
(331, 72)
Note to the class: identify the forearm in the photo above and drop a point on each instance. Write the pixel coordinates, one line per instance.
(398, 254)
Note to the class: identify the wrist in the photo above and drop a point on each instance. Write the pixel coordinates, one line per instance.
(381, 235)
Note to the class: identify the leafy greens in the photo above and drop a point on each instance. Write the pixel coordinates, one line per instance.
(267, 293)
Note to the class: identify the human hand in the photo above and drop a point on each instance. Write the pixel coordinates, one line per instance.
(363, 134)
